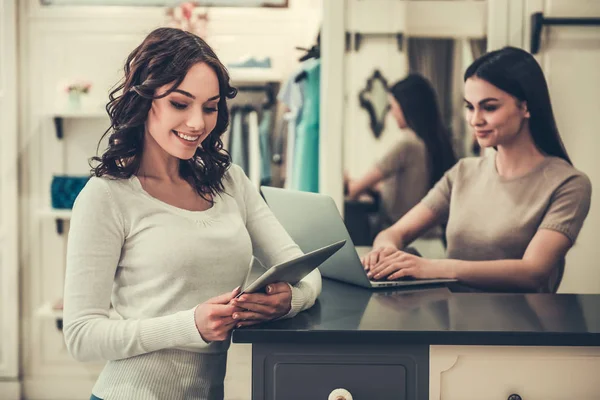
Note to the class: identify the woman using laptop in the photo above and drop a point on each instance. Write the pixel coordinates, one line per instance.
(512, 215)
(164, 231)
(412, 166)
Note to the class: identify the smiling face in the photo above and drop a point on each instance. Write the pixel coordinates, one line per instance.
(496, 117)
(181, 121)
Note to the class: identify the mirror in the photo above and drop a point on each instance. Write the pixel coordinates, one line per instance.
(373, 98)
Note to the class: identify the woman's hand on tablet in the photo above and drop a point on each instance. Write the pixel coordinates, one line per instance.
(260, 307)
(214, 317)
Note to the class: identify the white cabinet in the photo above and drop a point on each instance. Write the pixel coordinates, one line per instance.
(9, 266)
(496, 373)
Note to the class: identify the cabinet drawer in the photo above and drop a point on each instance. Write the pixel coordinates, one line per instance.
(317, 381)
(494, 373)
(312, 372)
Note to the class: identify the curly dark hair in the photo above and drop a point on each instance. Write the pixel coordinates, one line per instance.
(164, 57)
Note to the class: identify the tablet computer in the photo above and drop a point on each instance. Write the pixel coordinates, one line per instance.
(292, 271)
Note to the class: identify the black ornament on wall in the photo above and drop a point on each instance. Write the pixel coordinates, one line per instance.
(373, 98)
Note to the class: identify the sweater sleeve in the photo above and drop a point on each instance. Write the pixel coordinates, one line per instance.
(272, 244)
(96, 237)
(395, 160)
(438, 198)
(569, 206)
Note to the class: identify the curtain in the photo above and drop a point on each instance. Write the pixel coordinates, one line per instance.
(433, 58)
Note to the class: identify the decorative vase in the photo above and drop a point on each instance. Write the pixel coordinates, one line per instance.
(74, 100)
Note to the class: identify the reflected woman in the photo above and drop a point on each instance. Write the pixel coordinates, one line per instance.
(417, 161)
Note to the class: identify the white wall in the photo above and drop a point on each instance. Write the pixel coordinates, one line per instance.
(569, 57)
(9, 272)
(61, 43)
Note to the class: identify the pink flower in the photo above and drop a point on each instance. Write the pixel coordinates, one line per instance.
(187, 9)
(79, 86)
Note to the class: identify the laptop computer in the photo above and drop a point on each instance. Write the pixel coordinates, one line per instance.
(312, 220)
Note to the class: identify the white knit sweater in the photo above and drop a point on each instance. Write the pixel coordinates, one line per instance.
(154, 263)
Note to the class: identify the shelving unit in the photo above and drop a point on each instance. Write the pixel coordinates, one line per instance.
(253, 75)
(58, 215)
(264, 80)
(46, 311)
(60, 115)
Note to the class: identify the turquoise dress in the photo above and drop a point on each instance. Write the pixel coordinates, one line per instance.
(306, 157)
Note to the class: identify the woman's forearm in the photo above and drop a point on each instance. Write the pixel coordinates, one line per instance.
(497, 274)
(386, 238)
(369, 180)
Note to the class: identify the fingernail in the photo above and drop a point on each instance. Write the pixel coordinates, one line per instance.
(269, 289)
(235, 316)
(236, 289)
(238, 326)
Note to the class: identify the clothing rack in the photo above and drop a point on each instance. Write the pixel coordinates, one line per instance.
(538, 21)
(268, 89)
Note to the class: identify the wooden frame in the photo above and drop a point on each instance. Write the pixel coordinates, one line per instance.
(165, 3)
(365, 102)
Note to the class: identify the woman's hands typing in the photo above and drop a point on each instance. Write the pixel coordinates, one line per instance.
(390, 263)
(372, 258)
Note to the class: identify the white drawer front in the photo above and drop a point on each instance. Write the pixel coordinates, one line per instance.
(494, 373)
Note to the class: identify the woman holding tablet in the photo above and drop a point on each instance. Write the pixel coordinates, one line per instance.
(165, 229)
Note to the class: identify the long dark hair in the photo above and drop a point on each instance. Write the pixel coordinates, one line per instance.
(422, 114)
(164, 57)
(516, 72)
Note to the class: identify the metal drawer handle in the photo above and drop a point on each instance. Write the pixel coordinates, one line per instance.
(340, 394)
(515, 397)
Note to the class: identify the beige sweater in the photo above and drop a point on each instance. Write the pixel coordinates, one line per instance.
(155, 262)
(494, 218)
(406, 170)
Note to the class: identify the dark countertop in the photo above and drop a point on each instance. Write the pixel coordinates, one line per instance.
(347, 314)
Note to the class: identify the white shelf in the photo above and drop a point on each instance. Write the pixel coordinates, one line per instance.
(55, 213)
(83, 113)
(46, 311)
(253, 75)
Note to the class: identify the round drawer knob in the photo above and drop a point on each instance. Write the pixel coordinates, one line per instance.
(515, 397)
(340, 394)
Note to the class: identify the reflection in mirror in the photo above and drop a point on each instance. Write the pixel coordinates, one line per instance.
(373, 98)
